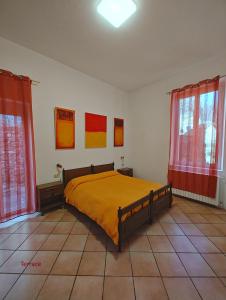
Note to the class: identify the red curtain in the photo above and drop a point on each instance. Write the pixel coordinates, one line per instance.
(17, 158)
(197, 117)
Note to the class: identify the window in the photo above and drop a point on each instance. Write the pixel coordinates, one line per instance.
(197, 136)
(12, 156)
(204, 128)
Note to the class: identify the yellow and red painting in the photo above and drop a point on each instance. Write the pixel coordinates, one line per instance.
(96, 131)
(65, 128)
(118, 132)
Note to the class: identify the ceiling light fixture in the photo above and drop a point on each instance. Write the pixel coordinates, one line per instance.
(116, 12)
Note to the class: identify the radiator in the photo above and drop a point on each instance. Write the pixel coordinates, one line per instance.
(217, 201)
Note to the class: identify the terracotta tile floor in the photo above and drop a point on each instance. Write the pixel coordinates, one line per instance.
(182, 255)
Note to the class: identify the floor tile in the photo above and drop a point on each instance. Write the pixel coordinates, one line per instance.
(210, 288)
(45, 227)
(155, 229)
(118, 288)
(160, 244)
(190, 229)
(4, 236)
(68, 218)
(180, 288)
(4, 255)
(209, 230)
(203, 244)
(28, 227)
(172, 229)
(143, 264)
(169, 264)
(27, 287)
(118, 264)
(42, 262)
(196, 218)
(67, 263)
(165, 218)
(92, 263)
(80, 228)
(75, 243)
(34, 242)
(212, 218)
(54, 216)
(63, 228)
(219, 242)
(181, 244)
(13, 242)
(17, 262)
(54, 242)
(180, 218)
(85, 286)
(140, 243)
(217, 262)
(223, 217)
(221, 228)
(149, 288)
(95, 243)
(6, 282)
(196, 265)
(12, 228)
(223, 280)
(57, 288)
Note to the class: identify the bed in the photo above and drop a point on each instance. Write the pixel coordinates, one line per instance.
(118, 203)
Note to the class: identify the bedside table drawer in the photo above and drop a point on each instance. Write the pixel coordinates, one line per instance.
(51, 192)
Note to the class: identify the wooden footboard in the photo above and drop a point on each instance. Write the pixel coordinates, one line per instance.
(133, 216)
(162, 199)
(133, 219)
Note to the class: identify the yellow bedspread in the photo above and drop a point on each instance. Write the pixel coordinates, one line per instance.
(100, 195)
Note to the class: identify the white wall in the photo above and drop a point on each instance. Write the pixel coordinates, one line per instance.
(150, 119)
(64, 87)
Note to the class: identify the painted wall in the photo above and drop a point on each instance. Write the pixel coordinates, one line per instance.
(150, 120)
(64, 87)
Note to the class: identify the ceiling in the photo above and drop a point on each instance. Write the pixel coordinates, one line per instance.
(162, 37)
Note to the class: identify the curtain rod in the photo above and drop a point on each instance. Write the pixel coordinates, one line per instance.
(34, 82)
(169, 93)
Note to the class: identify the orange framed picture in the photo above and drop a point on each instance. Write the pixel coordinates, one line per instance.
(64, 128)
(95, 130)
(118, 132)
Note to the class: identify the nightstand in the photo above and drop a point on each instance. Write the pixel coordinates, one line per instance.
(126, 171)
(50, 196)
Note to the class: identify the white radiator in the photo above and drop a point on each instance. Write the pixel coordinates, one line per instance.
(217, 201)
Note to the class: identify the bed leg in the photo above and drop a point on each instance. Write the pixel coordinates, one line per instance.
(119, 229)
(171, 196)
(151, 207)
(119, 247)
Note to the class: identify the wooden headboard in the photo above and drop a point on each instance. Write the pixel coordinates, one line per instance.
(73, 173)
(102, 168)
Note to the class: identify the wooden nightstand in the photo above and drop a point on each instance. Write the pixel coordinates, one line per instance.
(126, 171)
(50, 196)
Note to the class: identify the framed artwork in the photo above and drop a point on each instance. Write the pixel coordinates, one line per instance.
(95, 131)
(118, 132)
(64, 128)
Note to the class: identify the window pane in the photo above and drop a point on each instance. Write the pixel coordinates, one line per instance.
(187, 106)
(12, 162)
(207, 124)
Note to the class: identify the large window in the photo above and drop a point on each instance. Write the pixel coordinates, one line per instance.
(203, 128)
(12, 156)
(197, 136)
